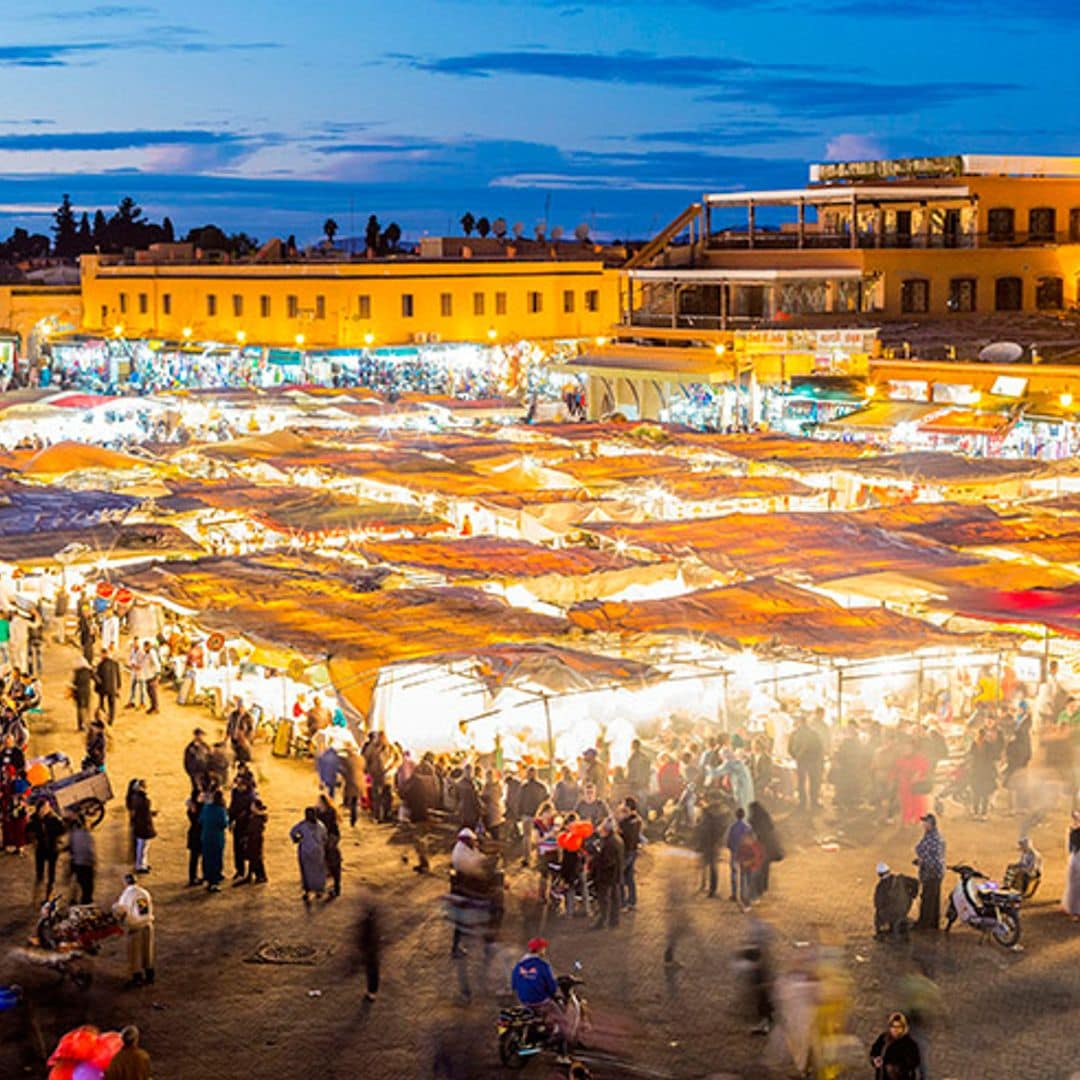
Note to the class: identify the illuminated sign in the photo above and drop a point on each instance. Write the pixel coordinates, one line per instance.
(891, 169)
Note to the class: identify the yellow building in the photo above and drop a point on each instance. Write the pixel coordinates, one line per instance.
(27, 312)
(914, 238)
(349, 304)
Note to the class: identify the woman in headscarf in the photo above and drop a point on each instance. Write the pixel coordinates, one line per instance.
(894, 1055)
(1071, 900)
(310, 837)
(328, 815)
(213, 822)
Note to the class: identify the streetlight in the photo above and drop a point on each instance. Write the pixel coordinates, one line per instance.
(241, 336)
(492, 335)
(300, 340)
(369, 339)
(720, 348)
(187, 333)
(601, 342)
(118, 329)
(1066, 400)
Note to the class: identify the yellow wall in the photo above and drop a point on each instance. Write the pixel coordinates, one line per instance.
(22, 307)
(341, 285)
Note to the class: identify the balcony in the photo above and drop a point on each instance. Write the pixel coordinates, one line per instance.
(774, 240)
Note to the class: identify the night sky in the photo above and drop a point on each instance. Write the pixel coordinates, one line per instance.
(269, 116)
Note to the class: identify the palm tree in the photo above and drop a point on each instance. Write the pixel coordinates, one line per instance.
(330, 228)
(468, 223)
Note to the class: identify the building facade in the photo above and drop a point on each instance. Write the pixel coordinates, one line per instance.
(910, 239)
(324, 304)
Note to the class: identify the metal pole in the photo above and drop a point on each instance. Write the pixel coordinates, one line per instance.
(839, 697)
(997, 688)
(919, 700)
(550, 741)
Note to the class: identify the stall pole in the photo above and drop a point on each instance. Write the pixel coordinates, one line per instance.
(919, 699)
(550, 741)
(997, 687)
(839, 697)
(727, 705)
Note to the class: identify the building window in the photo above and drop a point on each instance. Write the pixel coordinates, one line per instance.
(500, 303)
(534, 303)
(478, 303)
(211, 304)
(962, 294)
(1001, 224)
(1050, 294)
(123, 303)
(166, 303)
(264, 306)
(915, 296)
(104, 314)
(1008, 294)
(1074, 225)
(363, 306)
(320, 307)
(144, 303)
(237, 305)
(407, 305)
(1042, 224)
(592, 299)
(446, 304)
(568, 301)
(292, 306)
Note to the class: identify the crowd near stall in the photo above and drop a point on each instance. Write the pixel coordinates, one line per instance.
(544, 641)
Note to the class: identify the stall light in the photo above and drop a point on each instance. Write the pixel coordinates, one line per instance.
(369, 338)
(492, 335)
(186, 332)
(1066, 400)
(299, 339)
(601, 342)
(720, 348)
(871, 391)
(118, 329)
(241, 336)
(620, 546)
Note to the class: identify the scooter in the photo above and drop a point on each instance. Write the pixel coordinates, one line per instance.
(523, 1033)
(989, 908)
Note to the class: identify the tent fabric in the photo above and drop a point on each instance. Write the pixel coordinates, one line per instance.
(99, 543)
(317, 607)
(711, 487)
(1056, 609)
(968, 422)
(884, 415)
(765, 615)
(69, 457)
(819, 546)
(931, 466)
(27, 509)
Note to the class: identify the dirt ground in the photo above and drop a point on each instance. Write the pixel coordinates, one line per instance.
(213, 1014)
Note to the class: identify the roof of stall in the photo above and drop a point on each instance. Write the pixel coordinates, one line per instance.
(102, 542)
(297, 509)
(318, 607)
(713, 487)
(933, 467)
(1056, 609)
(26, 508)
(68, 457)
(766, 614)
(486, 558)
(820, 546)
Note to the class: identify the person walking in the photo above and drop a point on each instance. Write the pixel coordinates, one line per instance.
(532, 796)
(1070, 900)
(638, 773)
(193, 807)
(738, 831)
(82, 690)
(806, 747)
(96, 746)
(86, 633)
(135, 909)
(151, 673)
(630, 829)
(607, 872)
(771, 850)
(136, 667)
(45, 830)
(142, 825)
(310, 838)
(240, 799)
(197, 760)
(83, 859)
(930, 857)
(131, 1061)
(213, 822)
(711, 830)
(107, 678)
(256, 830)
(983, 758)
(328, 815)
(369, 946)
(895, 1054)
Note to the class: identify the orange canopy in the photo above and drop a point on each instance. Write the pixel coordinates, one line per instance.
(68, 457)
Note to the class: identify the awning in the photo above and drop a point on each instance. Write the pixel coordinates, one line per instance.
(967, 422)
(884, 415)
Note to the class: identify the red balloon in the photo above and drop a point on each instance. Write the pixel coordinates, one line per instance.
(583, 829)
(108, 1046)
(84, 1042)
(105, 589)
(65, 1070)
(123, 597)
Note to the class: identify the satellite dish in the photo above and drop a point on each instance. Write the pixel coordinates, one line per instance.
(1001, 352)
(557, 233)
(518, 229)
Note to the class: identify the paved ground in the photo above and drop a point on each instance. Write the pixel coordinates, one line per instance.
(212, 1014)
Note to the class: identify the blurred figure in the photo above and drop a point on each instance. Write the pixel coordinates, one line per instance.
(1071, 899)
(368, 945)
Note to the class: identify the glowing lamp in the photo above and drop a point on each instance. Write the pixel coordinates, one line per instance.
(241, 336)
(601, 342)
(720, 349)
(1066, 400)
(369, 338)
(118, 329)
(299, 339)
(492, 334)
(186, 331)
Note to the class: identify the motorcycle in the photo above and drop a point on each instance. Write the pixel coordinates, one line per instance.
(523, 1032)
(989, 908)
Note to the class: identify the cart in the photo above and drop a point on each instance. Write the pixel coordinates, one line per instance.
(66, 937)
(74, 794)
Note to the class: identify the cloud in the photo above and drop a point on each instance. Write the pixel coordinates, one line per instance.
(101, 11)
(47, 55)
(118, 140)
(854, 148)
(822, 97)
(171, 39)
(737, 133)
(628, 68)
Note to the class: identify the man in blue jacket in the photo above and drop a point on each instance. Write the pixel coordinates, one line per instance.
(535, 985)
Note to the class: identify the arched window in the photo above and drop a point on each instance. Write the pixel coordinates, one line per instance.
(1001, 224)
(1008, 294)
(1042, 224)
(915, 296)
(1050, 294)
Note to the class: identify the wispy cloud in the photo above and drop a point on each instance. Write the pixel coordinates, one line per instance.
(175, 39)
(628, 68)
(117, 140)
(100, 11)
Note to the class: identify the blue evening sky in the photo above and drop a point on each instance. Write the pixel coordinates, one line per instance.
(270, 115)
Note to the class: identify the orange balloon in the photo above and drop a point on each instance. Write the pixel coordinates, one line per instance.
(37, 774)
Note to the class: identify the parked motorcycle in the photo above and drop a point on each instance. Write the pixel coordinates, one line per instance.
(523, 1033)
(986, 907)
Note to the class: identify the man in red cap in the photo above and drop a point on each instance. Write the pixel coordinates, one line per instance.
(536, 987)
